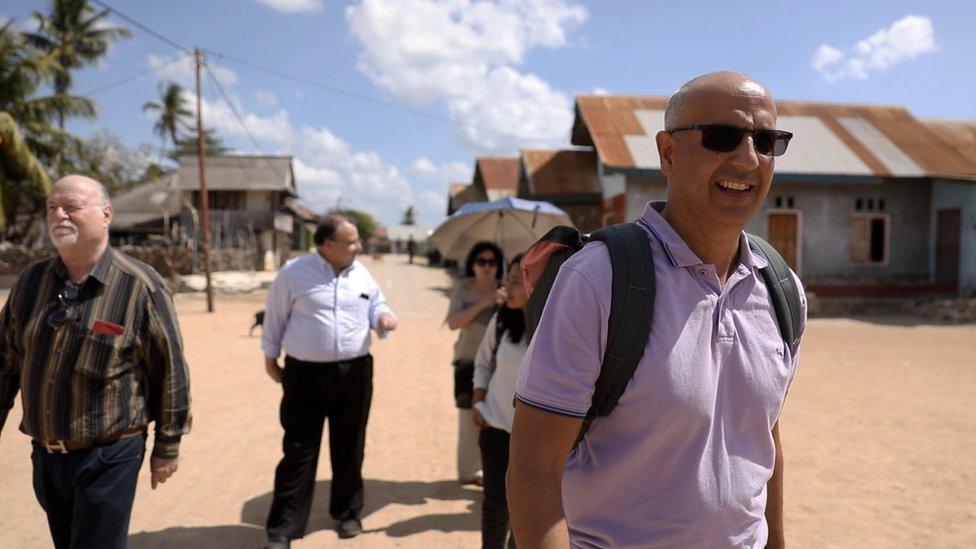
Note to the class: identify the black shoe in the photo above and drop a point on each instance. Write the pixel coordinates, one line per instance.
(349, 528)
(278, 543)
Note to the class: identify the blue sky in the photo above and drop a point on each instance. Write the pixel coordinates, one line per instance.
(489, 77)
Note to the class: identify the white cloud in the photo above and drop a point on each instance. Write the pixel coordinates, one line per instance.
(293, 6)
(600, 91)
(182, 70)
(903, 41)
(456, 51)
(451, 172)
(265, 99)
(510, 111)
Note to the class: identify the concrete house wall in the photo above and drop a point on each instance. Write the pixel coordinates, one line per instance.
(962, 195)
(825, 218)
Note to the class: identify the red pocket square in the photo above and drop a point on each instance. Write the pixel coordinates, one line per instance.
(107, 328)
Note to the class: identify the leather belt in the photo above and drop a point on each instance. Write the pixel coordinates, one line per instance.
(65, 446)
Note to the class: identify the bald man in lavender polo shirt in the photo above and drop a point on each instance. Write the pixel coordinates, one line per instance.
(691, 455)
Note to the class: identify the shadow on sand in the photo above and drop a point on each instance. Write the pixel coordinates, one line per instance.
(379, 493)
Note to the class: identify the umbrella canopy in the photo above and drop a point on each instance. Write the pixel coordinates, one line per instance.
(512, 223)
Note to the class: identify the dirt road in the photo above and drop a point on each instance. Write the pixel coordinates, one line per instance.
(878, 433)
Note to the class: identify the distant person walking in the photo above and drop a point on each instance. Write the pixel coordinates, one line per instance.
(496, 369)
(472, 304)
(320, 310)
(411, 247)
(90, 339)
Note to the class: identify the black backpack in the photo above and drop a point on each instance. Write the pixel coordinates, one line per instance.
(632, 299)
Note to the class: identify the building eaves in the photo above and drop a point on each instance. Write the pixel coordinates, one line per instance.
(553, 172)
(239, 173)
(498, 173)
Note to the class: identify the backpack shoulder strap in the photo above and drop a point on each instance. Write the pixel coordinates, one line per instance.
(631, 313)
(782, 290)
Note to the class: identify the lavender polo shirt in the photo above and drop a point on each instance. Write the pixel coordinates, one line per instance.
(684, 459)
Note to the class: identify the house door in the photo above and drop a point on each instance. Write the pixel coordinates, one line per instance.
(947, 248)
(783, 230)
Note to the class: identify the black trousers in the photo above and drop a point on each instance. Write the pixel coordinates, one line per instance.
(87, 494)
(314, 391)
(494, 511)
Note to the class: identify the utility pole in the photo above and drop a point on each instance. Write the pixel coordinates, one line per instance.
(204, 201)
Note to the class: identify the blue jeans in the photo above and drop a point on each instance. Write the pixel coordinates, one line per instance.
(87, 494)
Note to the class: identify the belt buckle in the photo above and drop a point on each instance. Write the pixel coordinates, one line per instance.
(56, 446)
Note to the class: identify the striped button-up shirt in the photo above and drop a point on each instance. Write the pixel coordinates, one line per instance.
(114, 367)
(318, 316)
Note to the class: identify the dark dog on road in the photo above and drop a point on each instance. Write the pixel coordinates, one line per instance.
(258, 321)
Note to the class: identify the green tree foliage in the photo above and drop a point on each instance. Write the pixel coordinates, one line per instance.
(23, 69)
(105, 158)
(75, 35)
(409, 217)
(364, 222)
(187, 146)
(22, 178)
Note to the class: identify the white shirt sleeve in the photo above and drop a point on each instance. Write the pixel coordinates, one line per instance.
(276, 313)
(377, 303)
(483, 367)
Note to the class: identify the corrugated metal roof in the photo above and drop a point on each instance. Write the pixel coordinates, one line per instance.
(895, 161)
(146, 202)
(462, 193)
(497, 173)
(831, 139)
(239, 173)
(554, 172)
(958, 135)
(302, 211)
(815, 149)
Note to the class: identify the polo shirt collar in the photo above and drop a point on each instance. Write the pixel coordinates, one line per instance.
(678, 251)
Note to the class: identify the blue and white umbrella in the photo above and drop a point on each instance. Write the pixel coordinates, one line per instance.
(512, 223)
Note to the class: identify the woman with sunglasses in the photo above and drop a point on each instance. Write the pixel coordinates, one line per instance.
(497, 367)
(472, 304)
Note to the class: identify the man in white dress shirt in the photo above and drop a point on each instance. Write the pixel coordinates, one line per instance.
(320, 311)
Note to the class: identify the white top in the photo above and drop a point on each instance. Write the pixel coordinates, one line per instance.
(318, 316)
(497, 408)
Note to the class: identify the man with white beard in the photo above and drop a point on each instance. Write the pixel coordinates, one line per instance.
(90, 340)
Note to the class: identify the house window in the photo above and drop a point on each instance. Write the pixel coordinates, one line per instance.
(783, 202)
(222, 200)
(869, 245)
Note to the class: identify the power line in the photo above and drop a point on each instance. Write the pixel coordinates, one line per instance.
(233, 108)
(325, 87)
(141, 26)
(340, 91)
(240, 119)
(131, 78)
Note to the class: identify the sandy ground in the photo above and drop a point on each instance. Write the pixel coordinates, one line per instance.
(878, 431)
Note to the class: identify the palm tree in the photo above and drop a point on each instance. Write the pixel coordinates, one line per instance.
(174, 113)
(75, 35)
(23, 69)
(187, 146)
(22, 178)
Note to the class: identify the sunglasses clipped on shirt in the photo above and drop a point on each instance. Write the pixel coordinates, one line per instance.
(724, 138)
(68, 306)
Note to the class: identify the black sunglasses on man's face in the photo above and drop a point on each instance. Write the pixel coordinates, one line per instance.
(725, 138)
